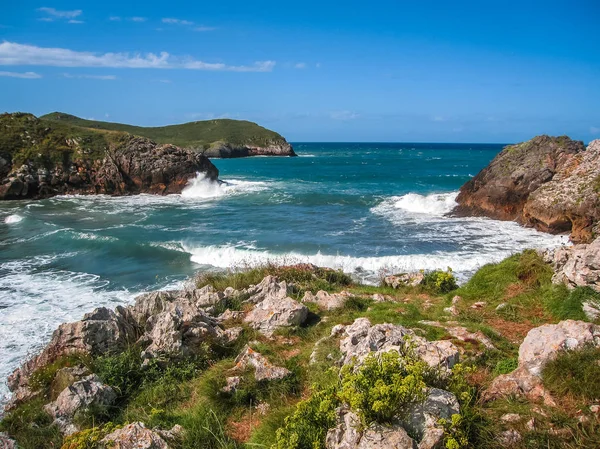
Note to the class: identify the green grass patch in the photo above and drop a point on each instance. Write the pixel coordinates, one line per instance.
(575, 373)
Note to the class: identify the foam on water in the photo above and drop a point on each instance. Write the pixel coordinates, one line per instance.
(11, 219)
(203, 187)
(434, 204)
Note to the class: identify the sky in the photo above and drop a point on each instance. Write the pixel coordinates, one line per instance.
(376, 71)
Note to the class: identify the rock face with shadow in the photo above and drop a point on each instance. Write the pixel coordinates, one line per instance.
(550, 183)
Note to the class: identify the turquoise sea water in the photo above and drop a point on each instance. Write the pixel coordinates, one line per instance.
(365, 208)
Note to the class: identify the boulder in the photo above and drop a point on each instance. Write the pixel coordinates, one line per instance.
(263, 369)
(404, 280)
(273, 313)
(348, 434)
(576, 266)
(461, 333)
(269, 288)
(88, 392)
(548, 182)
(134, 436)
(361, 338)
(65, 377)
(541, 345)
(327, 301)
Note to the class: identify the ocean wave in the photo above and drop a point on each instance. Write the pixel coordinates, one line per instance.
(11, 219)
(436, 204)
(203, 187)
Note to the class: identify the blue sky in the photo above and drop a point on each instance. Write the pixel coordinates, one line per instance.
(429, 71)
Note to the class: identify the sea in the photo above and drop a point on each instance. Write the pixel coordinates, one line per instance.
(368, 209)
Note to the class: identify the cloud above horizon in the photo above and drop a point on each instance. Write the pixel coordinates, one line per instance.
(14, 54)
(54, 14)
(91, 77)
(24, 75)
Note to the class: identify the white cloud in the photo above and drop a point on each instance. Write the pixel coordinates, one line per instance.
(344, 115)
(300, 65)
(138, 19)
(46, 19)
(76, 21)
(439, 118)
(91, 77)
(204, 28)
(594, 130)
(25, 75)
(114, 18)
(172, 21)
(61, 14)
(21, 54)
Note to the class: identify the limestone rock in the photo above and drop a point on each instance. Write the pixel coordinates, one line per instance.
(327, 301)
(263, 369)
(548, 182)
(461, 333)
(578, 265)
(134, 436)
(269, 288)
(541, 345)
(65, 377)
(275, 312)
(404, 279)
(89, 391)
(6, 442)
(361, 338)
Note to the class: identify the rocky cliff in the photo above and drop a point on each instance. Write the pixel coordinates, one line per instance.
(550, 183)
(39, 161)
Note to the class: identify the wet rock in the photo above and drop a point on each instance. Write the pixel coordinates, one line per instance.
(327, 301)
(134, 436)
(263, 369)
(88, 392)
(361, 338)
(274, 312)
(541, 345)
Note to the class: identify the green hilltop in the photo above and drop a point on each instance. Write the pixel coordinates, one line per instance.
(197, 135)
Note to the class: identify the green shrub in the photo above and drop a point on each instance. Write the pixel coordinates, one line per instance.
(88, 438)
(439, 281)
(383, 386)
(31, 426)
(306, 427)
(574, 372)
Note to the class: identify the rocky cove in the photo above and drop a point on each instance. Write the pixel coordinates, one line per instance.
(303, 356)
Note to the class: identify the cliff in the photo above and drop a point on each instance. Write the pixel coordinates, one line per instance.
(550, 183)
(223, 138)
(40, 159)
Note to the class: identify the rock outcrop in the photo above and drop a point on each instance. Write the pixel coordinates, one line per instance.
(577, 265)
(541, 345)
(327, 301)
(133, 165)
(228, 150)
(550, 183)
(361, 338)
(88, 392)
(6, 442)
(403, 280)
(263, 369)
(134, 436)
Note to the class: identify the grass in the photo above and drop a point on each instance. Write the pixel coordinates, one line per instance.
(200, 134)
(575, 373)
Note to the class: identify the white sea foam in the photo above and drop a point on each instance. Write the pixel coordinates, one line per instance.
(11, 219)
(434, 204)
(202, 187)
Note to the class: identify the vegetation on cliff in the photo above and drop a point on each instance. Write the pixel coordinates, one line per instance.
(487, 319)
(197, 135)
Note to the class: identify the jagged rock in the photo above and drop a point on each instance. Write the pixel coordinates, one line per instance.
(577, 266)
(510, 417)
(378, 297)
(89, 391)
(6, 442)
(327, 301)
(97, 333)
(361, 338)
(548, 182)
(275, 312)
(404, 279)
(268, 288)
(231, 385)
(422, 418)
(65, 377)
(263, 369)
(232, 334)
(348, 434)
(541, 345)
(134, 436)
(509, 438)
(230, 315)
(591, 310)
(228, 150)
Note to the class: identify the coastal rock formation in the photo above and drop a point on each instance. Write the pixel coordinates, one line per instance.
(361, 338)
(577, 265)
(541, 345)
(228, 150)
(404, 279)
(263, 369)
(88, 392)
(272, 314)
(327, 301)
(550, 183)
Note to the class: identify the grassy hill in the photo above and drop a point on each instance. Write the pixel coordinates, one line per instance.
(198, 135)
